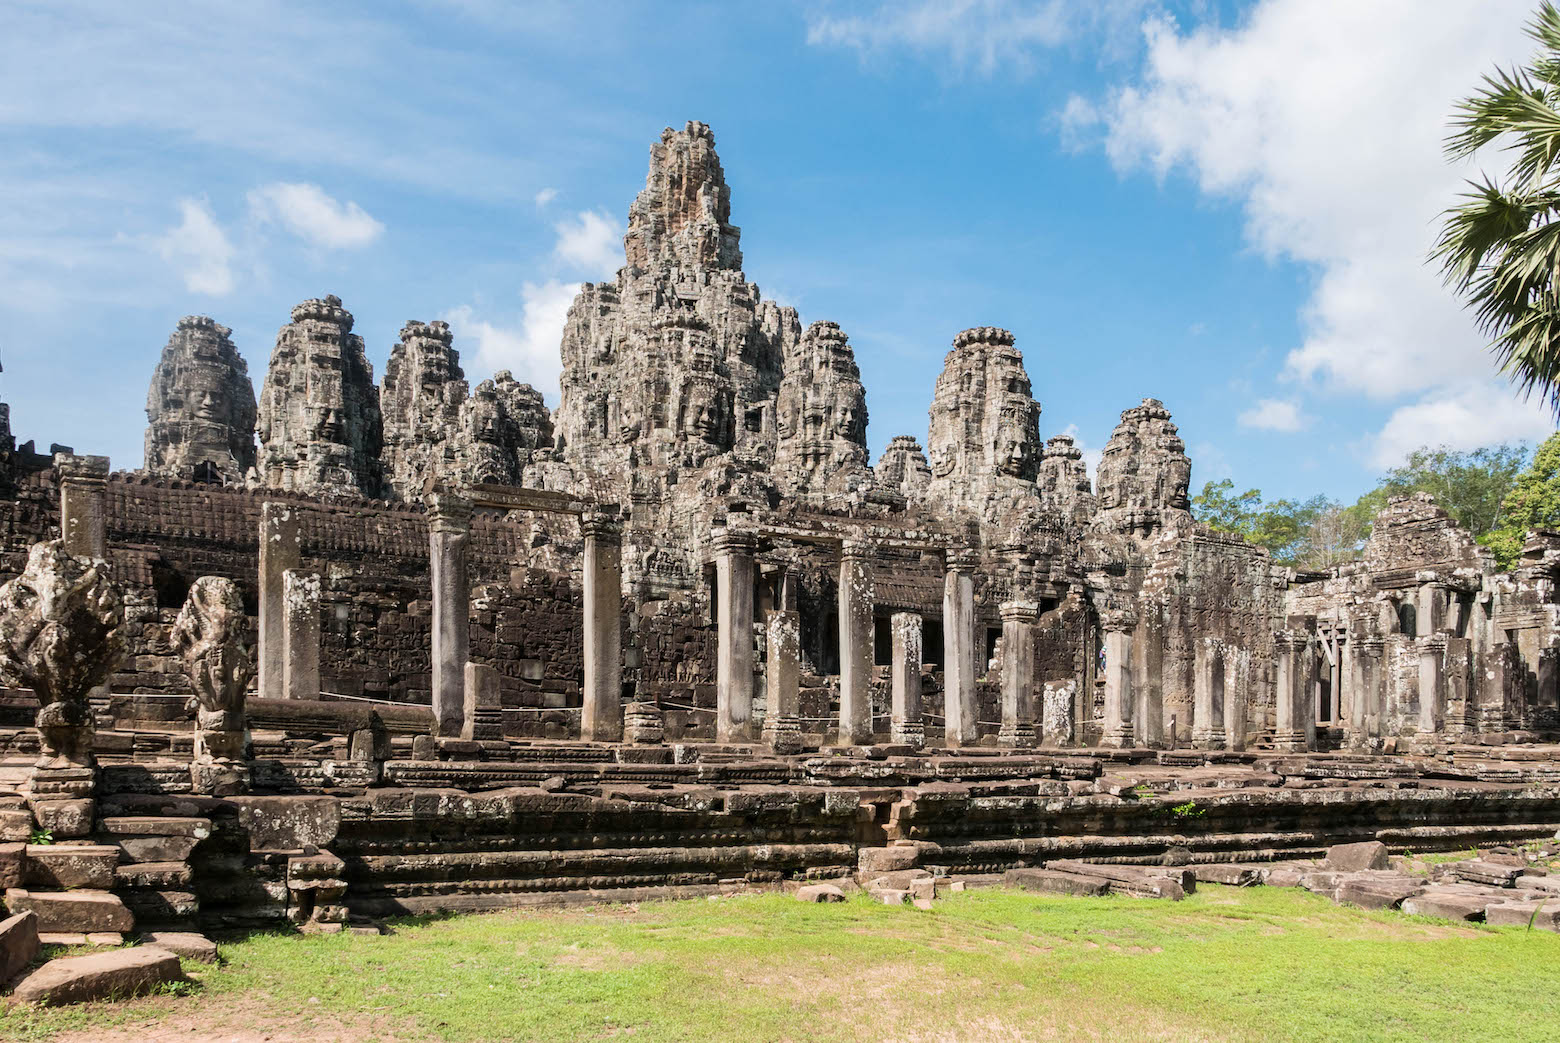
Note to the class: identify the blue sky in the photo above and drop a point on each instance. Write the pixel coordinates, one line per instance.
(1225, 206)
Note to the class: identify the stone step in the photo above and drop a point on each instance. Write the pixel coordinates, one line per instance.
(156, 838)
(18, 944)
(69, 866)
(164, 876)
(1231, 874)
(1055, 882)
(118, 973)
(186, 945)
(72, 911)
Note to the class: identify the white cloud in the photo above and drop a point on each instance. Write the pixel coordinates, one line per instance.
(1274, 414)
(315, 217)
(983, 36)
(545, 196)
(1476, 415)
(529, 348)
(590, 242)
(1324, 119)
(200, 249)
(1209, 464)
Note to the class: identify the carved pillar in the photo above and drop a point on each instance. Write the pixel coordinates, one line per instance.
(1212, 688)
(734, 628)
(300, 634)
(1237, 697)
(1148, 662)
(1294, 720)
(483, 719)
(906, 708)
(960, 650)
(1018, 673)
(280, 550)
(1432, 689)
(1118, 625)
(449, 537)
(1372, 685)
(855, 612)
(83, 504)
(782, 678)
(601, 710)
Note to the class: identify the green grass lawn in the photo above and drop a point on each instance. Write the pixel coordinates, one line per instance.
(1257, 964)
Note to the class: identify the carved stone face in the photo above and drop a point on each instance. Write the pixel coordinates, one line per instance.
(706, 413)
(209, 636)
(1013, 453)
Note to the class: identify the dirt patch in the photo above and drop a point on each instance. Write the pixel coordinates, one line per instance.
(596, 958)
(197, 1019)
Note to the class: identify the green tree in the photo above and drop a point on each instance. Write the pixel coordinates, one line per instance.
(1470, 486)
(1218, 507)
(1314, 533)
(1500, 248)
(1532, 503)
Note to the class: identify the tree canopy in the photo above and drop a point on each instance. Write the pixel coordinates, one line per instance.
(1500, 247)
(1478, 488)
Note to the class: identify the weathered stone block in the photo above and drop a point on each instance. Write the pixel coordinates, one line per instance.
(1354, 858)
(16, 824)
(1227, 873)
(187, 946)
(159, 875)
(71, 910)
(107, 975)
(1542, 915)
(1386, 891)
(887, 859)
(1446, 906)
(18, 944)
(65, 818)
(289, 823)
(69, 866)
(1053, 882)
(820, 893)
(11, 865)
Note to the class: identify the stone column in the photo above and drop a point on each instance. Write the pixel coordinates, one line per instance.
(855, 612)
(449, 537)
(280, 550)
(483, 719)
(1148, 664)
(906, 710)
(734, 627)
(1427, 604)
(782, 677)
(601, 710)
(1432, 695)
(960, 650)
(300, 634)
(1211, 671)
(1293, 703)
(1018, 673)
(1118, 625)
(83, 504)
(1368, 653)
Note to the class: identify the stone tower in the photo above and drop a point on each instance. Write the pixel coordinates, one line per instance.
(984, 436)
(502, 426)
(1144, 473)
(423, 394)
(1064, 478)
(903, 468)
(320, 429)
(200, 409)
(821, 413)
(678, 360)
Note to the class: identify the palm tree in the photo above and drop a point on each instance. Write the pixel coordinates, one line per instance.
(1500, 248)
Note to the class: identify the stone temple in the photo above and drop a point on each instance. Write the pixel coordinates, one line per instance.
(352, 649)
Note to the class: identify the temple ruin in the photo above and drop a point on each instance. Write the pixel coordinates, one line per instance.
(351, 650)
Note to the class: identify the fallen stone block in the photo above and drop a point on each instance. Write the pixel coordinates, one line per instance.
(1353, 858)
(107, 938)
(69, 866)
(889, 895)
(190, 946)
(1493, 874)
(925, 888)
(1283, 877)
(900, 880)
(1541, 915)
(1228, 873)
(1149, 887)
(820, 893)
(70, 938)
(1446, 906)
(1322, 883)
(18, 944)
(1383, 892)
(923, 903)
(875, 860)
(116, 974)
(1053, 882)
(1537, 883)
(1128, 874)
(72, 911)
